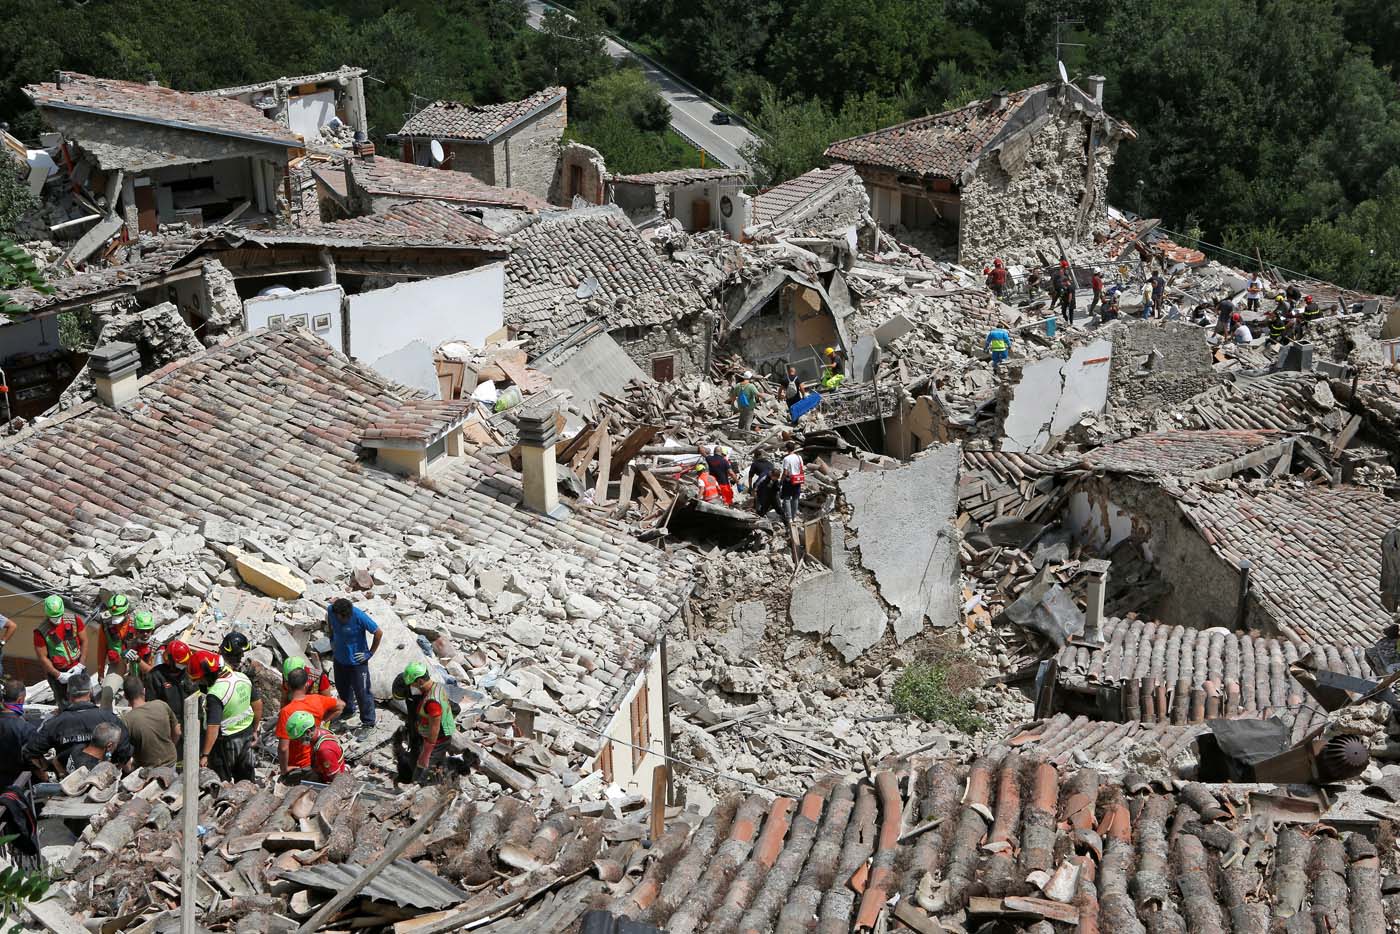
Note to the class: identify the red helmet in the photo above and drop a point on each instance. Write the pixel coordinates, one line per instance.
(986, 269)
(203, 664)
(177, 652)
(996, 262)
(1307, 298)
(1064, 264)
(1235, 316)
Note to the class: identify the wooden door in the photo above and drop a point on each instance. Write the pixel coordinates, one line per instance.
(663, 369)
(700, 214)
(146, 218)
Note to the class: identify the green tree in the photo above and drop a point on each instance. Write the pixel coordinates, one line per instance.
(624, 117)
(625, 93)
(15, 199)
(568, 50)
(794, 133)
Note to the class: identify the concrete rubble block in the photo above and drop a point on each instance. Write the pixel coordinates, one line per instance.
(528, 632)
(1054, 394)
(275, 580)
(96, 565)
(743, 639)
(490, 584)
(904, 521)
(184, 546)
(580, 606)
(221, 531)
(837, 606)
(397, 648)
(738, 680)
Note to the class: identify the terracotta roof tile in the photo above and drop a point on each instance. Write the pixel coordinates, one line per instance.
(133, 100)
(1281, 401)
(413, 223)
(676, 176)
(394, 178)
(423, 420)
(472, 123)
(795, 195)
(1178, 453)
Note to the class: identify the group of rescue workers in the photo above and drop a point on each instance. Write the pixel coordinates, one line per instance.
(772, 485)
(156, 679)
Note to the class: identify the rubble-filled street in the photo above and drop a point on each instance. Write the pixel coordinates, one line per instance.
(391, 548)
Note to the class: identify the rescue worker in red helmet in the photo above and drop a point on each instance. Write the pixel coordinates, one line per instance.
(233, 716)
(996, 277)
(167, 679)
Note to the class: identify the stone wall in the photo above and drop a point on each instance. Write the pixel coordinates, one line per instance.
(683, 338)
(592, 175)
(526, 156)
(1020, 198)
(1158, 365)
(142, 141)
(479, 160)
(160, 334)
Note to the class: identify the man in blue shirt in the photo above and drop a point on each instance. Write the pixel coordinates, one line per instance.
(999, 343)
(351, 653)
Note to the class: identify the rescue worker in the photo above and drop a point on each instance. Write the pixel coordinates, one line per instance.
(999, 343)
(706, 487)
(793, 391)
(746, 397)
(1279, 320)
(167, 680)
(763, 483)
(15, 732)
(1312, 313)
(232, 716)
(1254, 292)
(407, 742)
(233, 648)
(59, 643)
(1159, 292)
(71, 729)
(137, 652)
(292, 755)
(793, 473)
(115, 625)
(996, 278)
(352, 652)
(1059, 279)
(317, 681)
(1096, 283)
(722, 469)
(325, 757)
(435, 722)
(833, 375)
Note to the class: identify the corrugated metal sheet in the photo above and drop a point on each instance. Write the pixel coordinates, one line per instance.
(401, 882)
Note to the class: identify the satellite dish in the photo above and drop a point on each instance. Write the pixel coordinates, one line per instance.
(1064, 75)
(436, 149)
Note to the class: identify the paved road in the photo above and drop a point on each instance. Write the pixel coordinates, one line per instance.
(690, 113)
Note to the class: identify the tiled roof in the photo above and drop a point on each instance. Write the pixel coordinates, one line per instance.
(551, 259)
(133, 100)
(1284, 401)
(385, 176)
(159, 258)
(471, 123)
(795, 195)
(1062, 737)
(1180, 675)
(1314, 553)
(420, 420)
(676, 176)
(1178, 453)
(941, 145)
(265, 431)
(413, 223)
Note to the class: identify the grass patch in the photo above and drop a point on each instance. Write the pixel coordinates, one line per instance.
(935, 688)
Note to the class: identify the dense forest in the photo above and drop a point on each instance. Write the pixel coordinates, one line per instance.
(1268, 124)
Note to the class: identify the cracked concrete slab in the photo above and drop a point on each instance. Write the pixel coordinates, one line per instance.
(838, 606)
(904, 520)
(1054, 394)
(743, 639)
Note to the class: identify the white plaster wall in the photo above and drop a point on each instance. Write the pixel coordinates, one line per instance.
(396, 330)
(309, 112)
(625, 775)
(1087, 520)
(322, 300)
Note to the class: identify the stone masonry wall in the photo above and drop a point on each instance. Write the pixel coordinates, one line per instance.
(478, 160)
(525, 158)
(683, 338)
(1004, 212)
(592, 175)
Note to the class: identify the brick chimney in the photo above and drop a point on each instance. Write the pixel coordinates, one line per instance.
(114, 367)
(1093, 86)
(999, 98)
(539, 471)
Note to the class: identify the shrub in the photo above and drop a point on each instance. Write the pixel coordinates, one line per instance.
(930, 691)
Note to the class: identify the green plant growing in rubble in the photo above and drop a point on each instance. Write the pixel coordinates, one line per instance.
(17, 268)
(934, 690)
(18, 887)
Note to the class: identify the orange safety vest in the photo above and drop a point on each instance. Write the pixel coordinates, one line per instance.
(63, 652)
(709, 489)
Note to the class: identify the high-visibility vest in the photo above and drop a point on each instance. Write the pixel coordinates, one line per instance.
(997, 344)
(236, 694)
(63, 653)
(1312, 311)
(449, 725)
(709, 487)
(338, 764)
(1278, 326)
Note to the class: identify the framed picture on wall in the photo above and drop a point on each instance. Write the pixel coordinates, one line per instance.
(321, 323)
(297, 321)
(276, 321)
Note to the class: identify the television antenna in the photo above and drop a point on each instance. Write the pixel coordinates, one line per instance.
(1063, 26)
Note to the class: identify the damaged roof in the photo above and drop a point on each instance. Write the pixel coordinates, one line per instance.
(144, 103)
(159, 259)
(386, 177)
(556, 261)
(320, 77)
(473, 123)
(267, 431)
(1314, 553)
(1192, 454)
(408, 224)
(1286, 401)
(1183, 675)
(800, 195)
(948, 145)
(676, 176)
(420, 420)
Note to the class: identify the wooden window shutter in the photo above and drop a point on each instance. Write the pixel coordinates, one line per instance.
(641, 726)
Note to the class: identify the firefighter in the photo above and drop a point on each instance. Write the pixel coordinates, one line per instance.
(435, 722)
(233, 716)
(327, 757)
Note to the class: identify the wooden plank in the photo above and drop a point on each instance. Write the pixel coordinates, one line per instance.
(631, 446)
(189, 817)
(659, 779)
(584, 457)
(624, 496)
(654, 485)
(331, 908)
(600, 490)
(575, 444)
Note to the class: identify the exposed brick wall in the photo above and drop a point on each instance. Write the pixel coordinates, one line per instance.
(1042, 194)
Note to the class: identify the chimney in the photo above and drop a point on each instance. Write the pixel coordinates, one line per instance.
(152, 81)
(1096, 570)
(114, 369)
(999, 98)
(362, 146)
(538, 469)
(1094, 88)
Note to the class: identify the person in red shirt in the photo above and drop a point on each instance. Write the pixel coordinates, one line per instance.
(325, 757)
(996, 277)
(1096, 283)
(292, 753)
(59, 644)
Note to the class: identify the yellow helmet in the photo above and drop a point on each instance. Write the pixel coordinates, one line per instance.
(830, 351)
